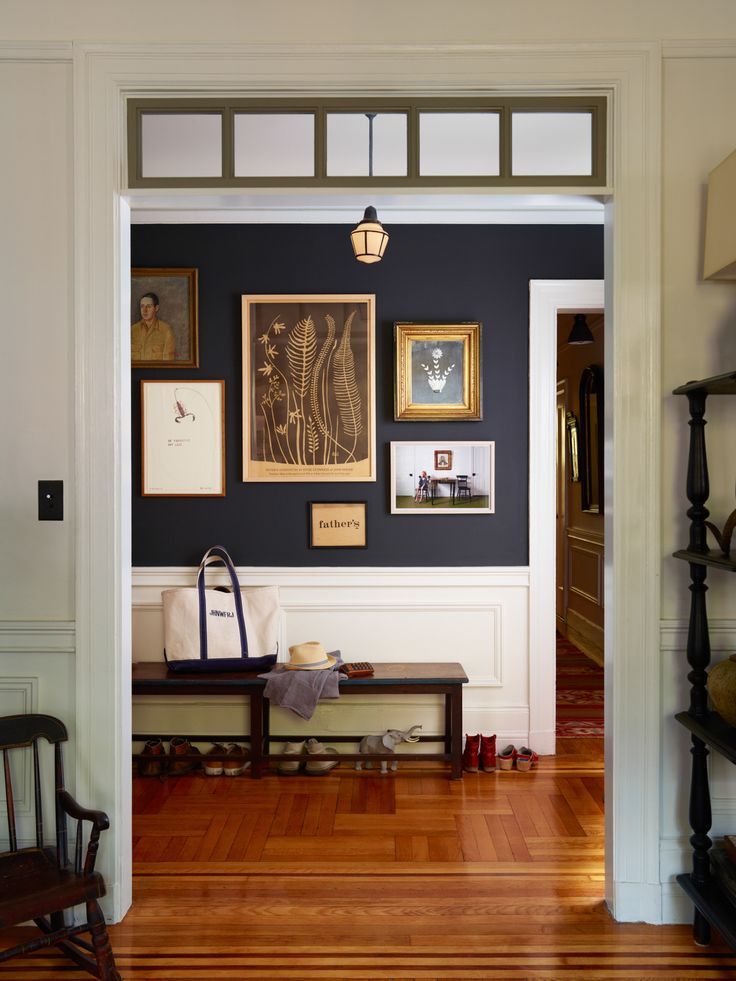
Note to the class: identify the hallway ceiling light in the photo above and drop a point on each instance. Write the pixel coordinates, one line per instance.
(719, 261)
(580, 333)
(369, 238)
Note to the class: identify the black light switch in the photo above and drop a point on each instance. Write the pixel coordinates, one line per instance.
(51, 500)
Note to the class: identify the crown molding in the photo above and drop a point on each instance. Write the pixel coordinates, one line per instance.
(37, 51)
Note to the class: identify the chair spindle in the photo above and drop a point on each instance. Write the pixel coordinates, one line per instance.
(37, 795)
(61, 835)
(10, 803)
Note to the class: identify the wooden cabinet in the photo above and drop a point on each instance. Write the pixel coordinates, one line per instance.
(708, 731)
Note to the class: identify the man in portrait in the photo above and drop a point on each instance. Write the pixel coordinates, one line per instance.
(151, 339)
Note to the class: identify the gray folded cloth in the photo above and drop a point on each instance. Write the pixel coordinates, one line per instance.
(301, 690)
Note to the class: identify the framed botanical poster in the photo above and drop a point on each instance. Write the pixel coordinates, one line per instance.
(163, 318)
(309, 388)
(420, 486)
(437, 372)
(183, 438)
(337, 524)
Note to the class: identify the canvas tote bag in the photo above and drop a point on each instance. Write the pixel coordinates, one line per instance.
(220, 629)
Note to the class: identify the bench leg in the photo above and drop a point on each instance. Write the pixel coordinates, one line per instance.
(454, 701)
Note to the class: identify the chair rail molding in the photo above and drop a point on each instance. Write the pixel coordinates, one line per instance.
(629, 73)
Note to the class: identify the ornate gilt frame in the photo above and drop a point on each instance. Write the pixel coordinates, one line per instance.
(408, 406)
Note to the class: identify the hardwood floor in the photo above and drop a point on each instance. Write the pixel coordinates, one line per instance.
(358, 875)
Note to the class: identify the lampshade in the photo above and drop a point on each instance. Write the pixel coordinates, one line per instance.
(580, 333)
(369, 238)
(719, 260)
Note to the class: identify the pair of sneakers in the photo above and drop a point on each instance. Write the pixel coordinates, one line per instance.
(479, 753)
(523, 758)
(233, 765)
(313, 766)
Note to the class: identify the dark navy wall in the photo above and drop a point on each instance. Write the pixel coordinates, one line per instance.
(430, 273)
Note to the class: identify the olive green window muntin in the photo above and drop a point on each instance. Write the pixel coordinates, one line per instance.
(319, 108)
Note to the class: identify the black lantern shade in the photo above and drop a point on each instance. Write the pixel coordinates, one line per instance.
(369, 238)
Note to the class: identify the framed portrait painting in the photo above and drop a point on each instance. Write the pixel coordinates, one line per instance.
(163, 318)
(437, 372)
(183, 438)
(309, 388)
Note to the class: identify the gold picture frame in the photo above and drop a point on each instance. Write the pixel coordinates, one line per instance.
(164, 334)
(437, 372)
(337, 524)
(309, 388)
(183, 438)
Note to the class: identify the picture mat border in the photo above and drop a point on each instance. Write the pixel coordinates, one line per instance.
(491, 509)
(190, 382)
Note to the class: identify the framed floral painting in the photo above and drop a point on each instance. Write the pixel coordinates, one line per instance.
(309, 388)
(437, 372)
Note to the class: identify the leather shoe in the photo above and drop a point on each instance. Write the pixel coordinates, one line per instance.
(236, 763)
(155, 763)
(488, 753)
(182, 747)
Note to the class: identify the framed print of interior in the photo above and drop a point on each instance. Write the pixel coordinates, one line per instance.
(183, 438)
(163, 318)
(337, 524)
(437, 372)
(309, 388)
(457, 479)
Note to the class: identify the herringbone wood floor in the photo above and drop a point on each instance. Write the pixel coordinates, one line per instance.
(358, 875)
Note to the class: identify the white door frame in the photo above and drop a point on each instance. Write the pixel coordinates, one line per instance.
(630, 73)
(547, 299)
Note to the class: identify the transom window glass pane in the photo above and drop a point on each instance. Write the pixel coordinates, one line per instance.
(348, 149)
(551, 143)
(178, 144)
(459, 144)
(277, 144)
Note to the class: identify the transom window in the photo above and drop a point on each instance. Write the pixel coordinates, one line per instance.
(347, 142)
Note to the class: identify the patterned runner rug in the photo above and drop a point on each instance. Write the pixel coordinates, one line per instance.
(579, 693)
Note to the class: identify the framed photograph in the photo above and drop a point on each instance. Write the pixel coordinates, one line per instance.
(337, 524)
(163, 318)
(309, 388)
(437, 372)
(183, 438)
(443, 459)
(419, 486)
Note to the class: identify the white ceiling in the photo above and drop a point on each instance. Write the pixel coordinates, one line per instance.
(482, 207)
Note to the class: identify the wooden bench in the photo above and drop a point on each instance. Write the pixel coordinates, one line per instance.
(426, 678)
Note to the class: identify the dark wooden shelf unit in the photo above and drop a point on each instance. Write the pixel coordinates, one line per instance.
(707, 728)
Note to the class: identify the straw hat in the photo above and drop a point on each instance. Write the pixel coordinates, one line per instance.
(310, 656)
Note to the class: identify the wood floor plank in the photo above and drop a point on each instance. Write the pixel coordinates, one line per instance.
(407, 875)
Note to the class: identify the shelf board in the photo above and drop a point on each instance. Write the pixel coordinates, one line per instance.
(712, 558)
(714, 906)
(713, 731)
(717, 385)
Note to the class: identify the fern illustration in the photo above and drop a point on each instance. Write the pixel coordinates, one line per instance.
(301, 349)
(312, 438)
(317, 404)
(345, 387)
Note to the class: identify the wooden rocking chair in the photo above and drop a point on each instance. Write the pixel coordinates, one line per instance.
(38, 883)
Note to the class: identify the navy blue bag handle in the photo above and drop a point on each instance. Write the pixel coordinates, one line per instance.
(219, 554)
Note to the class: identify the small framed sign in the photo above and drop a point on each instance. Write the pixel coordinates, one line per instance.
(337, 524)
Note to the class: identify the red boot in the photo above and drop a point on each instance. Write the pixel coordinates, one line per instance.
(488, 753)
(470, 754)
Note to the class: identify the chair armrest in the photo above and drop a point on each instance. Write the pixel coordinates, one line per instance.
(99, 819)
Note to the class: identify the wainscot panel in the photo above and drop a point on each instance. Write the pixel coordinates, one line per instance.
(477, 616)
(37, 675)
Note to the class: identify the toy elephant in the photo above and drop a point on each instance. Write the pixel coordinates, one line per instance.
(385, 744)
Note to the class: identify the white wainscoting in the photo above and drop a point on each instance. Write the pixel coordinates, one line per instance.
(37, 675)
(478, 616)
